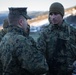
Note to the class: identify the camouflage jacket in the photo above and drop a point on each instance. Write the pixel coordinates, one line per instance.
(32, 40)
(2, 33)
(54, 43)
(19, 56)
(73, 42)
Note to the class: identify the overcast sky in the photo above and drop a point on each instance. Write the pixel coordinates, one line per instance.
(34, 5)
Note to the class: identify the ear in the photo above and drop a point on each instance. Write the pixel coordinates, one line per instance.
(20, 22)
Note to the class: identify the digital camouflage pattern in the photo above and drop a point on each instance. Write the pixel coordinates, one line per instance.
(54, 43)
(19, 56)
(32, 40)
(73, 35)
(73, 44)
(2, 33)
(29, 37)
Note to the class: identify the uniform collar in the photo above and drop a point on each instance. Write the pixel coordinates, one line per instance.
(16, 29)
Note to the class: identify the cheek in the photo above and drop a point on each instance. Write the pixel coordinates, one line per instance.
(60, 18)
(24, 26)
(25, 22)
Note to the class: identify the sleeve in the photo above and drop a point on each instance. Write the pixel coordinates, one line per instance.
(73, 35)
(41, 43)
(73, 46)
(73, 39)
(30, 58)
(33, 41)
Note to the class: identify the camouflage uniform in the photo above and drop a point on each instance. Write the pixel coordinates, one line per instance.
(19, 56)
(62, 59)
(73, 35)
(2, 33)
(73, 44)
(29, 37)
(55, 42)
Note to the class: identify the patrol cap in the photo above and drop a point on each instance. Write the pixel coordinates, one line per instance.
(21, 11)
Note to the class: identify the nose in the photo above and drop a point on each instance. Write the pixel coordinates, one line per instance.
(53, 15)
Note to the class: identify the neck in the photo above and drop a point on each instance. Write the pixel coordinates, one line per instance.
(59, 24)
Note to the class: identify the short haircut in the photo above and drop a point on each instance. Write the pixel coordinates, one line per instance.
(13, 17)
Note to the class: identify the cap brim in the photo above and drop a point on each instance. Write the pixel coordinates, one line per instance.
(27, 17)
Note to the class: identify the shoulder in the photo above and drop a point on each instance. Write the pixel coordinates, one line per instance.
(73, 28)
(15, 39)
(45, 29)
(2, 31)
(30, 38)
(21, 40)
(69, 26)
(66, 24)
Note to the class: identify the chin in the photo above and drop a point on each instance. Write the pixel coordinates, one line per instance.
(55, 23)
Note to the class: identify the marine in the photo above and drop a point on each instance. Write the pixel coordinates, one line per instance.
(18, 55)
(55, 42)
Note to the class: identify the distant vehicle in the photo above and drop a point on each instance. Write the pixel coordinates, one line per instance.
(33, 29)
